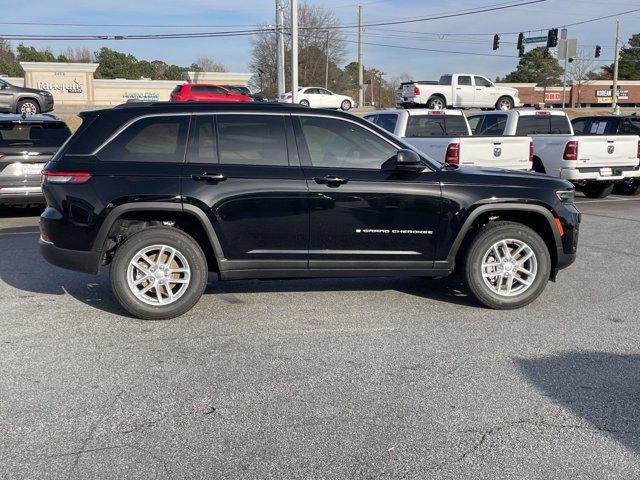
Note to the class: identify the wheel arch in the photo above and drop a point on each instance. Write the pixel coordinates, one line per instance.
(27, 96)
(127, 219)
(536, 217)
(440, 96)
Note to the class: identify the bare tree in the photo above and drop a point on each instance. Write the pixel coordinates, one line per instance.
(78, 55)
(210, 64)
(580, 71)
(317, 32)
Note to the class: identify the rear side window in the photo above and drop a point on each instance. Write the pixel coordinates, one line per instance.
(151, 139)
(176, 89)
(387, 121)
(631, 126)
(252, 140)
(33, 134)
(543, 125)
(445, 80)
(436, 126)
(579, 125)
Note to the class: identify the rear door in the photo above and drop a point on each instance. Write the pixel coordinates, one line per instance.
(243, 171)
(361, 215)
(464, 92)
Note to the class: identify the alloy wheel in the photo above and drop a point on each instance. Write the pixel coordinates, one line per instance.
(509, 267)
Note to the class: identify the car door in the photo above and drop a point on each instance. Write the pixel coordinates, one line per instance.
(6, 97)
(485, 92)
(465, 92)
(312, 95)
(363, 216)
(329, 100)
(243, 171)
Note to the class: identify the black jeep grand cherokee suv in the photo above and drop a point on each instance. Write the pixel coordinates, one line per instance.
(166, 193)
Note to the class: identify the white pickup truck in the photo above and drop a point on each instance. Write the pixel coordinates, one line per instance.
(592, 163)
(444, 135)
(459, 90)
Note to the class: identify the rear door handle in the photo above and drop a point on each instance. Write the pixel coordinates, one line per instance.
(209, 177)
(330, 180)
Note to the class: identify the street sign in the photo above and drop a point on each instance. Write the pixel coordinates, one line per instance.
(536, 40)
(567, 48)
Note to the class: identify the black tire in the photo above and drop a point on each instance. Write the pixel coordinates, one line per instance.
(174, 238)
(304, 103)
(488, 236)
(506, 102)
(31, 105)
(436, 103)
(597, 189)
(627, 187)
(538, 166)
(345, 105)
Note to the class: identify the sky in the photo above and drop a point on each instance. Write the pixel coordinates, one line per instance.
(234, 52)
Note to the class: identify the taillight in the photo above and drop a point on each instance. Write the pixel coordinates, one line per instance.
(2, 154)
(638, 150)
(570, 151)
(530, 152)
(452, 157)
(416, 91)
(65, 177)
(288, 96)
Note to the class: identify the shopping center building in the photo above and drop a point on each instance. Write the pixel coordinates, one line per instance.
(73, 84)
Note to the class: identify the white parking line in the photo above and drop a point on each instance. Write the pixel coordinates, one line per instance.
(607, 200)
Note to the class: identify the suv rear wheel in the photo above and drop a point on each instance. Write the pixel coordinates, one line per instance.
(158, 273)
(507, 266)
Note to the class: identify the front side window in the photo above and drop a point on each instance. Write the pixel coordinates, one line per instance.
(252, 140)
(342, 144)
(151, 139)
(482, 82)
(464, 80)
(494, 125)
(387, 121)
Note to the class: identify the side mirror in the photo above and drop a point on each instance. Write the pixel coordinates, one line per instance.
(409, 161)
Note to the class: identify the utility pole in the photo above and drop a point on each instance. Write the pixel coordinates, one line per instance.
(280, 52)
(294, 51)
(563, 35)
(616, 59)
(360, 70)
(326, 68)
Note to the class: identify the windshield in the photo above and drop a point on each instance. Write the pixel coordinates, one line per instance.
(33, 134)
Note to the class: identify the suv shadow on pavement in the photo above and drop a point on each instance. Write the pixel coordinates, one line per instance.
(600, 387)
(26, 270)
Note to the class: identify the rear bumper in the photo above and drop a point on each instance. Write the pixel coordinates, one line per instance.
(595, 173)
(86, 262)
(23, 195)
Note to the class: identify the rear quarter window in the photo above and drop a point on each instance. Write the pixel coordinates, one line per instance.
(151, 139)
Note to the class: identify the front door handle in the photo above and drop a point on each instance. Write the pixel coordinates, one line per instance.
(331, 180)
(209, 177)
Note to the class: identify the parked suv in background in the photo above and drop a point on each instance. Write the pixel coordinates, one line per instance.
(26, 144)
(27, 101)
(166, 193)
(189, 92)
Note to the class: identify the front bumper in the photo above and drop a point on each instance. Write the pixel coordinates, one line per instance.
(595, 173)
(47, 104)
(80, 261)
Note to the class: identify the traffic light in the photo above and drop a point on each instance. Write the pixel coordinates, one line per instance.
(521, 44)
(496, 41)
(546, 53)
(598, 50)
(552, 38)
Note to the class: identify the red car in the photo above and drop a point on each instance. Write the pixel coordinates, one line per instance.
(191, 92)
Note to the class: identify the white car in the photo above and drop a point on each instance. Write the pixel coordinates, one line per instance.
(319, 97)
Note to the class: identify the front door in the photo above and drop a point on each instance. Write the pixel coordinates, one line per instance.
(362, 216)
(6, 95)
(485, 92)
(243, 171)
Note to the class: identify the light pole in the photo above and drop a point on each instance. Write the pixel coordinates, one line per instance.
(294, 51)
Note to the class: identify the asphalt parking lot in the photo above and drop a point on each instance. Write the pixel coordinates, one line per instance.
(353, 378)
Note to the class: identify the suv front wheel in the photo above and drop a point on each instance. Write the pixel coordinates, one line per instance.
(158, 273)
(507, 266)
(28, 107)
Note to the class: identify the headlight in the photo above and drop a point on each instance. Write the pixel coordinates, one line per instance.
(566, 196)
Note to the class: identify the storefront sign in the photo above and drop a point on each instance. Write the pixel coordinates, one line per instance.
(69, 87)
(622, 94)
(142, 96)
(552, 96)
